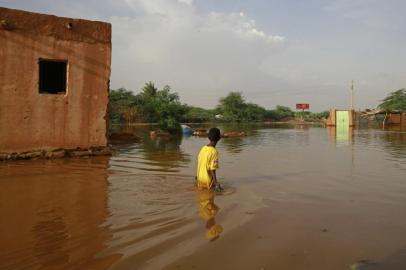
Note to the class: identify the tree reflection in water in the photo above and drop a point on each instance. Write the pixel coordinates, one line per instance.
(160, 153)
(165, 152)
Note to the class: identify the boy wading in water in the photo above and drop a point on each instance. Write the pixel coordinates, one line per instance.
(208, 163)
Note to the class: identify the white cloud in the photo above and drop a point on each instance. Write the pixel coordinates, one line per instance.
(202, 56)
(187, 2)
(205, 55)
(239, 24)
(161, 7)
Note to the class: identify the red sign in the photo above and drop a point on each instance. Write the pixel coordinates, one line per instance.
(302, 106)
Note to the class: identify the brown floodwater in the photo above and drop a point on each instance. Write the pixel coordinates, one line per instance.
(296, 198)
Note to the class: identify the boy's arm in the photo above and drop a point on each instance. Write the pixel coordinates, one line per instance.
(214, 166)
(213, 176)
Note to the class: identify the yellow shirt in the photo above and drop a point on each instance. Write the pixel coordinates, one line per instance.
(206, 161)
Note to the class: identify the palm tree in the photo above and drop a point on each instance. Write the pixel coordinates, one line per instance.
(396, 100)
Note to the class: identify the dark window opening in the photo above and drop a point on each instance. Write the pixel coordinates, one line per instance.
(52, 76)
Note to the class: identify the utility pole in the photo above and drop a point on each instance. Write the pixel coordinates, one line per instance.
(352, 95)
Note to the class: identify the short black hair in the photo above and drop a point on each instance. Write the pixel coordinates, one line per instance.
(214, 134)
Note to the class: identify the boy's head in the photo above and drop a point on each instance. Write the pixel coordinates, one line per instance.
(214, 135)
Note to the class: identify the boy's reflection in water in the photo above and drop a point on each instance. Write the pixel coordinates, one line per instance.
(208, 211)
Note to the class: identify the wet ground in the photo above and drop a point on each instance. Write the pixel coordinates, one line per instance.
(296, 198)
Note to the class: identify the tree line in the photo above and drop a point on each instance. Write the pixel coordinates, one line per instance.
(164, 107)
(150, 106)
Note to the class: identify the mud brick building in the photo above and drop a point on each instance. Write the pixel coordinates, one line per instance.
(54, 76)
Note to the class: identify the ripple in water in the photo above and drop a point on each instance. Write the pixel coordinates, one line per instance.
(139, 210)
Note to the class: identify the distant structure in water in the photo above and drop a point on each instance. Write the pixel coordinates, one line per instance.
(341, 118)
(368, 118)
(54, 83)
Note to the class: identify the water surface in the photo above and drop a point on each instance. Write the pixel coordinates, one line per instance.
(297, 198)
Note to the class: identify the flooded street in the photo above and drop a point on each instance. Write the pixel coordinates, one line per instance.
(296, 198)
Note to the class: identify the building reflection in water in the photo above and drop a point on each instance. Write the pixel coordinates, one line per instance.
(395, 141)
(342, 135)
(53, 214)
(208, 211)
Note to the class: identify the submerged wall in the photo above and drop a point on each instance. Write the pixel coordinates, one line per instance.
(397, 119)
(30, 120)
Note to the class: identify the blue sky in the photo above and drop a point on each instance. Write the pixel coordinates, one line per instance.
(275, 52)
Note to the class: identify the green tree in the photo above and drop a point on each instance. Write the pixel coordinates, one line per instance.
(198, 115)
(279, 113)
(162, 107)
(231, 106)
(284, 112)
(253, 112)
(322, 115)
(311, 116)
(148, 102)
(123, 106)
(149, 90)
(151, 105)
(169, 110)
(395, 100)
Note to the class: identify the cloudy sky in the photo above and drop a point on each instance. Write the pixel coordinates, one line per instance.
(274, 51)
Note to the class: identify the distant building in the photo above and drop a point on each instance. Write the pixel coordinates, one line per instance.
(344, 118)
(397, 118)
(54, 76)
(383, 118)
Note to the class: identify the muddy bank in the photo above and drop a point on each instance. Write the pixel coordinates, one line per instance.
(57, 153)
